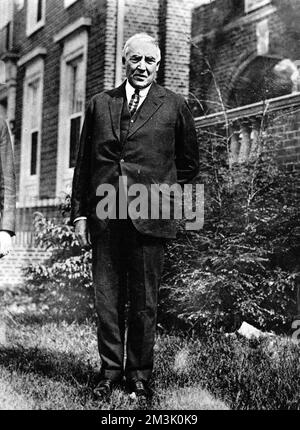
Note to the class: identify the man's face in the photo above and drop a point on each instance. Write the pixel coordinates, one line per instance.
(141, 63)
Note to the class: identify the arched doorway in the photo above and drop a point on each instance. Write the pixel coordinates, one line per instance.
(265, 77)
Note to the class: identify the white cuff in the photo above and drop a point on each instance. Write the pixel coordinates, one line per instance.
(78, 218)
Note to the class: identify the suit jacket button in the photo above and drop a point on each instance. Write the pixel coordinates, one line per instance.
(122, 160)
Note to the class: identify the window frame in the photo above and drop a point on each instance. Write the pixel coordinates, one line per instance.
(74, 47)
(32, 25)
(68, 3)
(253, 5)
(6, 13)
(74, 114)
(73, 117)
(30, 183)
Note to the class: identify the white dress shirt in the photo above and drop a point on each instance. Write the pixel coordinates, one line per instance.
(129, 93)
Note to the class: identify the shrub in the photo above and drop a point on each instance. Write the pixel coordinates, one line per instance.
(67, 273)
(243, 264)
(68, 265)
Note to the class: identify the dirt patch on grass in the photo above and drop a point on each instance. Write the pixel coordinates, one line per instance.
(192, 398)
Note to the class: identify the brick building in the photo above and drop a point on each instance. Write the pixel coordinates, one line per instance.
(231, 54)
(250, 49)
(245, 62)
(245, 83)
(57, 55)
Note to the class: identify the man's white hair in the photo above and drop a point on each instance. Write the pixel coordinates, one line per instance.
(143, 37)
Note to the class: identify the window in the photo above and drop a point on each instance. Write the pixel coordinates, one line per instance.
(251, 5)
(31, 130)
(3, 107)
(68, 3)
(71, 106)
(33, 98)
(6, 9)
(2, 71)
(36, 11)
(34, 152)
(76, 107)
(6, 17)
(262, 37)
(39, 14)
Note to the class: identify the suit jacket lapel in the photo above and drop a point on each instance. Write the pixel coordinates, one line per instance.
(154, 100)
(116, 106)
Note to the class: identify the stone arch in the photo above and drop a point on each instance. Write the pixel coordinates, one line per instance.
(260, 78)
(242, 62)
(236, 69)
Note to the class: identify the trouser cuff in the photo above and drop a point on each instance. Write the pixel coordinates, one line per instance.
(113, 375)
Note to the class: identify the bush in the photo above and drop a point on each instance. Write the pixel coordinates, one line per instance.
(67, 273)
(243, 264)
(68, 265)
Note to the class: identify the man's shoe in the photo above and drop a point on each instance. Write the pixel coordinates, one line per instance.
(103, 389)
(138, 387)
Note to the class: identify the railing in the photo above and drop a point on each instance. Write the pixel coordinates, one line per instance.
(25, 217)
(259, 108)
(242, 127)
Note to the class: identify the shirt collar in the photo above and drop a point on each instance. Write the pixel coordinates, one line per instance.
(130, 90)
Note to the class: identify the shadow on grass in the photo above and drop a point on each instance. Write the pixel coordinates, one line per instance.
(59, 366)
(27, 311)
(55, 367)
(64, 369)
(48, 303)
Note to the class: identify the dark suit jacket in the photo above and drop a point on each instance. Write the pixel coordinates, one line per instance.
(7, 181)
(161, 148)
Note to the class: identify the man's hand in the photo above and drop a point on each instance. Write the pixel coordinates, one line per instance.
(5, 243)
(82, 234)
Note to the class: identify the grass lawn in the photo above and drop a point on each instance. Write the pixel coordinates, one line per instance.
(49, 360)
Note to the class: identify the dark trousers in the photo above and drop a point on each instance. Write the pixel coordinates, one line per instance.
(127, 268)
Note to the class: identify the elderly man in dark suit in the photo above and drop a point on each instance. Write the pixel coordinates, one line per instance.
(7, 191)
(146, 134)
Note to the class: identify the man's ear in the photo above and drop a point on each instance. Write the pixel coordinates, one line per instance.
(157, 66)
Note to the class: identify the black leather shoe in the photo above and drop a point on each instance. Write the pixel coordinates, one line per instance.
(103, 389)
(138, 387)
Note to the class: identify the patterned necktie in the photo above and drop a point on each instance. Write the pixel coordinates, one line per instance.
(134, 102)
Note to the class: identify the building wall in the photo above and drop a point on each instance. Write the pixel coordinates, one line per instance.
(57, 17)
(224, 40)
(12, 266)
(141, 16)
(223, 43)
(178, 46)
(285, 128)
